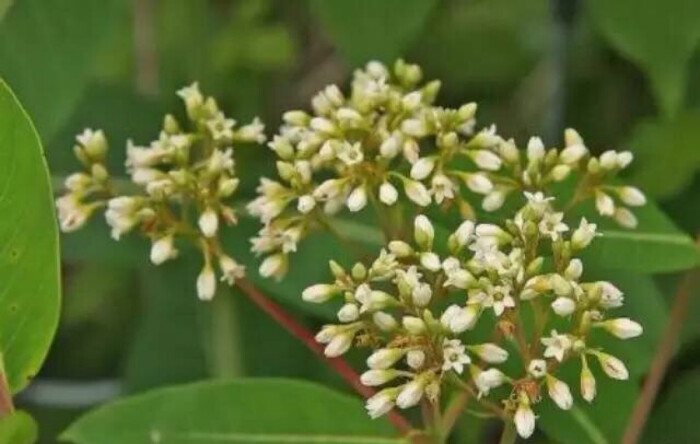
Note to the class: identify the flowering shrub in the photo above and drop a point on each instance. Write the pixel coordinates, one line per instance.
(437, 311)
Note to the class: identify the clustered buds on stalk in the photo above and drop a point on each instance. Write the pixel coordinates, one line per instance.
(185, 181)
(388, 135)
(418, 306)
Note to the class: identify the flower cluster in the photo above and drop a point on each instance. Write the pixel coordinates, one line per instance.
(388, 135)
(185, 174)
(416, 306)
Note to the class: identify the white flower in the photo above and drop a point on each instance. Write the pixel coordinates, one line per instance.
(624, 158)
(414, 128)
(560, 172)
(574, 269)
(486, 160)
(209, 222)
(454, 355)
(421, 295)
(339, 344)
(563, 306)
(584, 234)
(610, 295)
(487, 379)
(319, 293)
(422, 168)
(537, 368)
(306, 203)
(230, 269)
(604, 203)
(206, 283)
(387, 193)
(623, 328)
(391, 145)
(192, 96)
(490, 353)
(71, 213)
(350, 154)
(498, 297)
(459, 319)
(94, 142)
(612, 366)
(559, 392)
(384, 358)
(464, 233)
(557, 345)
(573, 153)
(357, 199)
(442, 188)
(373, 378)
(411, 393)
(551, 225)
(381, 403)
(608, 160)
(417, 192)
(162, 250)
(274, 266)
(524, 418)
(538, 202)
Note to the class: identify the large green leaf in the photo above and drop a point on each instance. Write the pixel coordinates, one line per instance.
(18, 428)
(244, 411)
(675, 419)
(47, 52)
(655, 246)
(667, 154)
(29, 273)
(660, 38)
(369, 29)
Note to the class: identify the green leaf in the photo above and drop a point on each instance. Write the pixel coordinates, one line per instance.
(368, 29)
(660, 38)
(675, 419)
(4, 7)
(239, 411)
(29, 272)
(667, 154)
(50, 66)
(18, 428)
(655, 246)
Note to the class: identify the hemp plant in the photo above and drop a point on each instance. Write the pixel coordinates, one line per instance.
(451, 309)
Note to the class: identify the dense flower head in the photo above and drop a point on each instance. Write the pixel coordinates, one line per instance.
(416, 306)
(387, 143)
(185, 180)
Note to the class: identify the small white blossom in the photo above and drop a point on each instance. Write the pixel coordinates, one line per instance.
(388, 194)
(206, 283)
(454, 355)
(162, 250)
(559, 392)
(623, 328)
(556, 345)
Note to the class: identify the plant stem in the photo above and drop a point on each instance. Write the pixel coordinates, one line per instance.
(302, 333)
(454, 409)
(509, 433)
(6, 405)
(662, 358)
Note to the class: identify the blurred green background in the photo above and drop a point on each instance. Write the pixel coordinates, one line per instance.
(624, 73)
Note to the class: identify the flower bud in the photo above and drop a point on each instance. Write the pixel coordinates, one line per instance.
(572, 153)
(486, 160)
(490, 353)
(415, 359)
(493, 200)
(274, 266)
(414, 325)
(559, 392)
(625, 217)
(623, 328)
(387, 193)
(459, 319)
(357, 199)
(583, 235)
(417, 192)
(631, 196)
(624, 158)
(574, 269)
(306, 203)
(612, 366)
(524, 418)
(430, 261)
(563, 306)
(588, 385)
(162, 250)
(373, 378)
(380, 403)
(535, 150)
(319, 293)
(400, 249)
(422, 168)
(391, 146)
(423, 232)
(478, 183)
(339, 344)
(384, 358)
(209, 223)
(411, 393)
(604, 203)
(608, 160)
(384, 321)
(206, 283)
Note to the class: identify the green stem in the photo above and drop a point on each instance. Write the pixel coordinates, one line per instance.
(509, 433)
(224, 344)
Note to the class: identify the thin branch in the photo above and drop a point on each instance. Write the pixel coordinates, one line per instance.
(661, 360)
(6, 405)
(302, 333)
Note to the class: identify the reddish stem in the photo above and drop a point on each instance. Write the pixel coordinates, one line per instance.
(302, 333)
(662, 358)
(6, 405)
